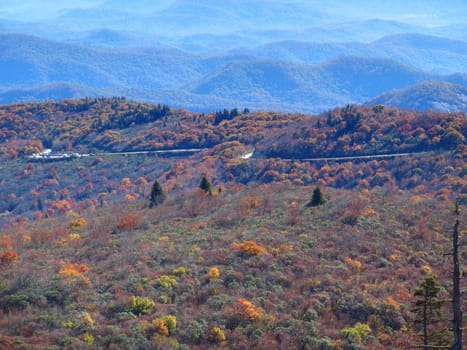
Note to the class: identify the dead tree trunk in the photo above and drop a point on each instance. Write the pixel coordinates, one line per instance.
(456, 292)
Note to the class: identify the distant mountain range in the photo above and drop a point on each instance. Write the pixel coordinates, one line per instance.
(288, 76)
(234, 23)
(430, 53)
(427, 95)
(206, 55)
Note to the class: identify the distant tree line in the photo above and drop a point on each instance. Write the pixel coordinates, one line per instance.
(137, 116)
(227, 115)
(86, 103)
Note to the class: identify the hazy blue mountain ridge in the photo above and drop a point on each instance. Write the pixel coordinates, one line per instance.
(427, 95)
(425, 52)
(33, 67)
(291, 55)
(235, 23)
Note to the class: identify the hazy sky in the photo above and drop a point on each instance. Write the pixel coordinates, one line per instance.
(427, 12)
(32, 10)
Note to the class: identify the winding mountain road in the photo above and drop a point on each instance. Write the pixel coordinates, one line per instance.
(169, 151)
(373, 156)
(250, 155)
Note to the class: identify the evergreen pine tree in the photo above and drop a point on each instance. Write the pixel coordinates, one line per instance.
(157, 195)
(205, 185)
(317, 198)
(428, 306)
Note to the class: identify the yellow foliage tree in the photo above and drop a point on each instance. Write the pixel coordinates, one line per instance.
(77, 224)
(217, 335)
(141, 305)
(125, 181)
(213, 273)
(357, 264)
(73, 270)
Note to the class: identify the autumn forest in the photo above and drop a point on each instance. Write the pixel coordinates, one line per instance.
(226, 230)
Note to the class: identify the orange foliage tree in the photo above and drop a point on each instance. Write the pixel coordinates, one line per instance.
(73, 270)
(8, 257)
(128, 221)
(246, 310)
(249, 247)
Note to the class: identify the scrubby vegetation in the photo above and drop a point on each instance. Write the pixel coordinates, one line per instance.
(276, 274)
(291, 247)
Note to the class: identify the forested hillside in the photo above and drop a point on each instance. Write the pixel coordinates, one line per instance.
(291, 76)
(428, 95)
(237, 174)
(235, 249)
(285, 147)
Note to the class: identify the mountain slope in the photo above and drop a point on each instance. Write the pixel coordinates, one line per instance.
(430, 53)
(52, 92)
(30, 61)
(340, 81)
(85, 263)
(224, 273)
(103, 128)
(361, 78)
(261, 82)
(434, 95)
(203, 82)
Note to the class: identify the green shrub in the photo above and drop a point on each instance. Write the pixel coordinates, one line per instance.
(217, 302)
(179, 271)
(358, 333)
(141, 305)
(88, 338)
(171, 322)
(193, 332)
(15, 301)
(166, 282)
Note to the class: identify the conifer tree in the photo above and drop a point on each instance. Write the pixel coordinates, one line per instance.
(428, 305)
(205, 185)
(317, 198)
(157, 195)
